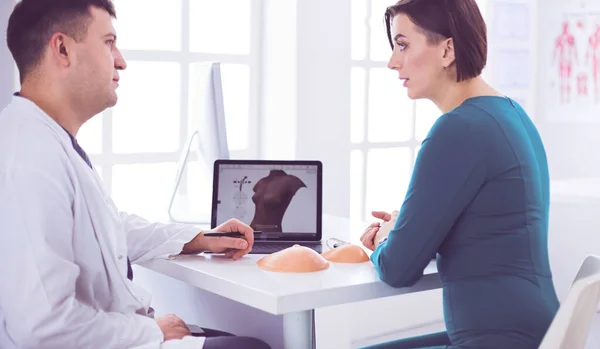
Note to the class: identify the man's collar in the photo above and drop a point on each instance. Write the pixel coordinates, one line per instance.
(17, 94)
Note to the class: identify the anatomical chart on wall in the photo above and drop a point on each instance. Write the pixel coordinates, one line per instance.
(570, 86)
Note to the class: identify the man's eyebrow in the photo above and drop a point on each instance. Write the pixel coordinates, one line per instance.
(113, 35)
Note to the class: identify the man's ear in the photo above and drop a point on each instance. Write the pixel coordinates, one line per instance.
(448, 53)
(61, 49)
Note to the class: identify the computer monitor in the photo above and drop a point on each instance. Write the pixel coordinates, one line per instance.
(207, 140)
(207, 111)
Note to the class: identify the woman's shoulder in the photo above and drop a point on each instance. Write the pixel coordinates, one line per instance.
(479, 112)
(475, 118)
(463, 117)
(491, 106)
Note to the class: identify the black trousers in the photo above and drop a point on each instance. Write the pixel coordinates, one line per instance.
(223, 340)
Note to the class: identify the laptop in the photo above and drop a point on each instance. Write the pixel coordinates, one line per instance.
(280, 199)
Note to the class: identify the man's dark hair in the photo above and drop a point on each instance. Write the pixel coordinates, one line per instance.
(460, 20)
(33, 22)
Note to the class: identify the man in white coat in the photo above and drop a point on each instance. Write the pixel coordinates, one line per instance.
(65, 249)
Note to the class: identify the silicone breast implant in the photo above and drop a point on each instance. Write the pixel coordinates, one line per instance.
(295, 259)
(346, 254)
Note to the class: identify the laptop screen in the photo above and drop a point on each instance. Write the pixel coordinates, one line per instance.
(279, 199)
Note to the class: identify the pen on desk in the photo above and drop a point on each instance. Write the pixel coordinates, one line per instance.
(232, 235)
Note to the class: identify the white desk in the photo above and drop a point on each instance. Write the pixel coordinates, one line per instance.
(295, 296)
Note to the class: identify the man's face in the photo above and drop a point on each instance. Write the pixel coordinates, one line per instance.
(97, 61)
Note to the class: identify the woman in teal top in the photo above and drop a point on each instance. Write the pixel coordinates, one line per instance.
(479, 194)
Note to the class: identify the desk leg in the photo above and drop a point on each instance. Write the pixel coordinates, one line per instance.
(299, 330)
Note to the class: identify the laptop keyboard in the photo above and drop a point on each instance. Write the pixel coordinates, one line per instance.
(272, 247)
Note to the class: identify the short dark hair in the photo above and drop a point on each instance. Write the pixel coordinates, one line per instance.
(33, 22)
(460, 20)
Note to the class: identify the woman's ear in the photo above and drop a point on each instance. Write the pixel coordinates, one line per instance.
(448, 56)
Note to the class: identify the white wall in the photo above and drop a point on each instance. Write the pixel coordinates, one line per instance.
(306, 96)
(574, 156)
(7, 75)
(278, 107)
(324, 95)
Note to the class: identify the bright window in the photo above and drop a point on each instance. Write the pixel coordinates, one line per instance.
(136, 145)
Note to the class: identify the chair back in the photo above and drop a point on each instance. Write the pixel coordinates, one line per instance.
(571, 325)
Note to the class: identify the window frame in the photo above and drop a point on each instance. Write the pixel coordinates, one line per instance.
(358, 202)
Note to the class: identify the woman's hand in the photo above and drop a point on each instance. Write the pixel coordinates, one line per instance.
(377, 231)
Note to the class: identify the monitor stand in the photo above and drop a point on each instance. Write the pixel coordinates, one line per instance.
(176, 215)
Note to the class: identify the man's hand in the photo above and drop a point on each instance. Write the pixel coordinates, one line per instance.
(377, 231)
(234, 248)
(172, 327)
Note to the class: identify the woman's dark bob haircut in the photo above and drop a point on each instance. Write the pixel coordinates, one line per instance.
(460, 20)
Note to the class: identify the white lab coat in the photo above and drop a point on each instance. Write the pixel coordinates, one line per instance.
(64, 247)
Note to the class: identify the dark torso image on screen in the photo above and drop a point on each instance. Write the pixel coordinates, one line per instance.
(272, 196)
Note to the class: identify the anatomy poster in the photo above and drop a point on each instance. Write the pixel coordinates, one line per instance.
(570, 61)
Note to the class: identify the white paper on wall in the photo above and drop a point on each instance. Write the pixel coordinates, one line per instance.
(510, 54)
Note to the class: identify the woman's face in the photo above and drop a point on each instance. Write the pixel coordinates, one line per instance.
(420, 64)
